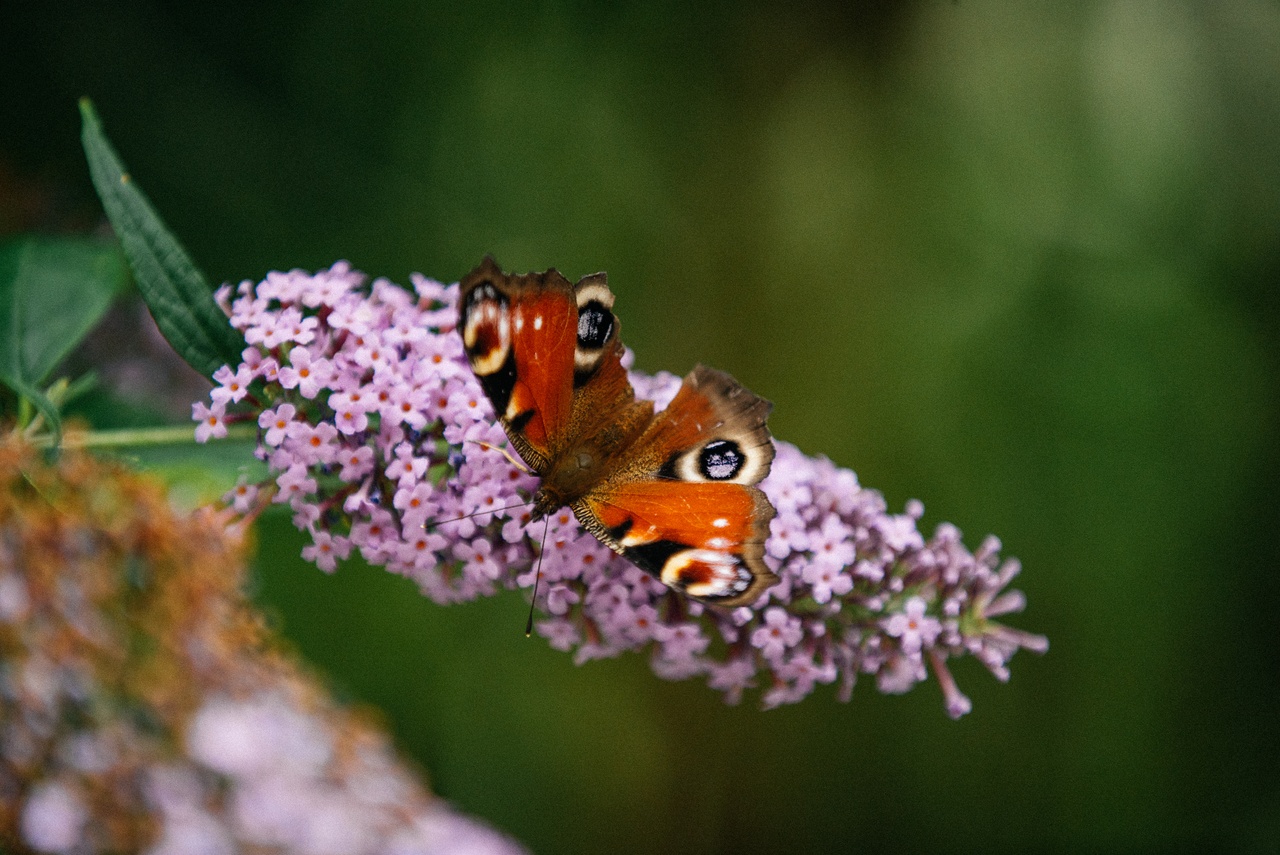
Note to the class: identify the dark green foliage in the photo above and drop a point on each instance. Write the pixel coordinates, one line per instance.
(179, 296)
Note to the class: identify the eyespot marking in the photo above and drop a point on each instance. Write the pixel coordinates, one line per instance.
(706, 573)
(594, 289)
(720, 460)
(595, 326)
(486, 332)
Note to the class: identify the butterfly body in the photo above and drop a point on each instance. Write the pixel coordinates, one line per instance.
(671, 491)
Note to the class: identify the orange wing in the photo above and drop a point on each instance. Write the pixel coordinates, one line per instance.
(705, 539)
(681, 503)
(520, 334)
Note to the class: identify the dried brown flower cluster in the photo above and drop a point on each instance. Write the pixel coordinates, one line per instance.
(144, 705)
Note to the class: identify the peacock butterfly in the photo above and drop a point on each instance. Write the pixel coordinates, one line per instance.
(671, 491)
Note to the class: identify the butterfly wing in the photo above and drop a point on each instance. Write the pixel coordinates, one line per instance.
(519, 332)
(548, 356)
(682, 505)
(673, 492)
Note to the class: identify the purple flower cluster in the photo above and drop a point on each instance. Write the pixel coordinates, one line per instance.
(380, 439)
(260, 774)
(273, 763)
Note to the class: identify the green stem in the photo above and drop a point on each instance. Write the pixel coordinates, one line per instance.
(171, 435)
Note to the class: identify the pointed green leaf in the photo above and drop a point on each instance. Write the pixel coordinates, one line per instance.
(179, 296)
(52, 292)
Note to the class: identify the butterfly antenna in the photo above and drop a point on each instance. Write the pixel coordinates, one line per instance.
(542, 550)
(426, 523)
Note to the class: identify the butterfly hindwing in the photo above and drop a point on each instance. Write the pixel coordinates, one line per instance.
(683, 506)
(704, 539)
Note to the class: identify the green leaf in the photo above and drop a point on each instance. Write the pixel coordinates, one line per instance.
(52, 292)
(177, 293)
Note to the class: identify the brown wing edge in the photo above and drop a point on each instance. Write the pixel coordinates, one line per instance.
(753, 553)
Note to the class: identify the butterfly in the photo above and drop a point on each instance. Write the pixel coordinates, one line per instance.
(671, 491)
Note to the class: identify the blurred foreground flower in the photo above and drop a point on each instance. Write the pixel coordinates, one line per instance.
(380, 439)
(143, 707)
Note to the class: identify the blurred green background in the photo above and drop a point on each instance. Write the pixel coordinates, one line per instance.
(1018, 260)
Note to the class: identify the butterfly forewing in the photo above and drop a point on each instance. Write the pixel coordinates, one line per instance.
(519, 334)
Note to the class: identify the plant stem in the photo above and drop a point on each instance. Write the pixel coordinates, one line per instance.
(169, 435)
